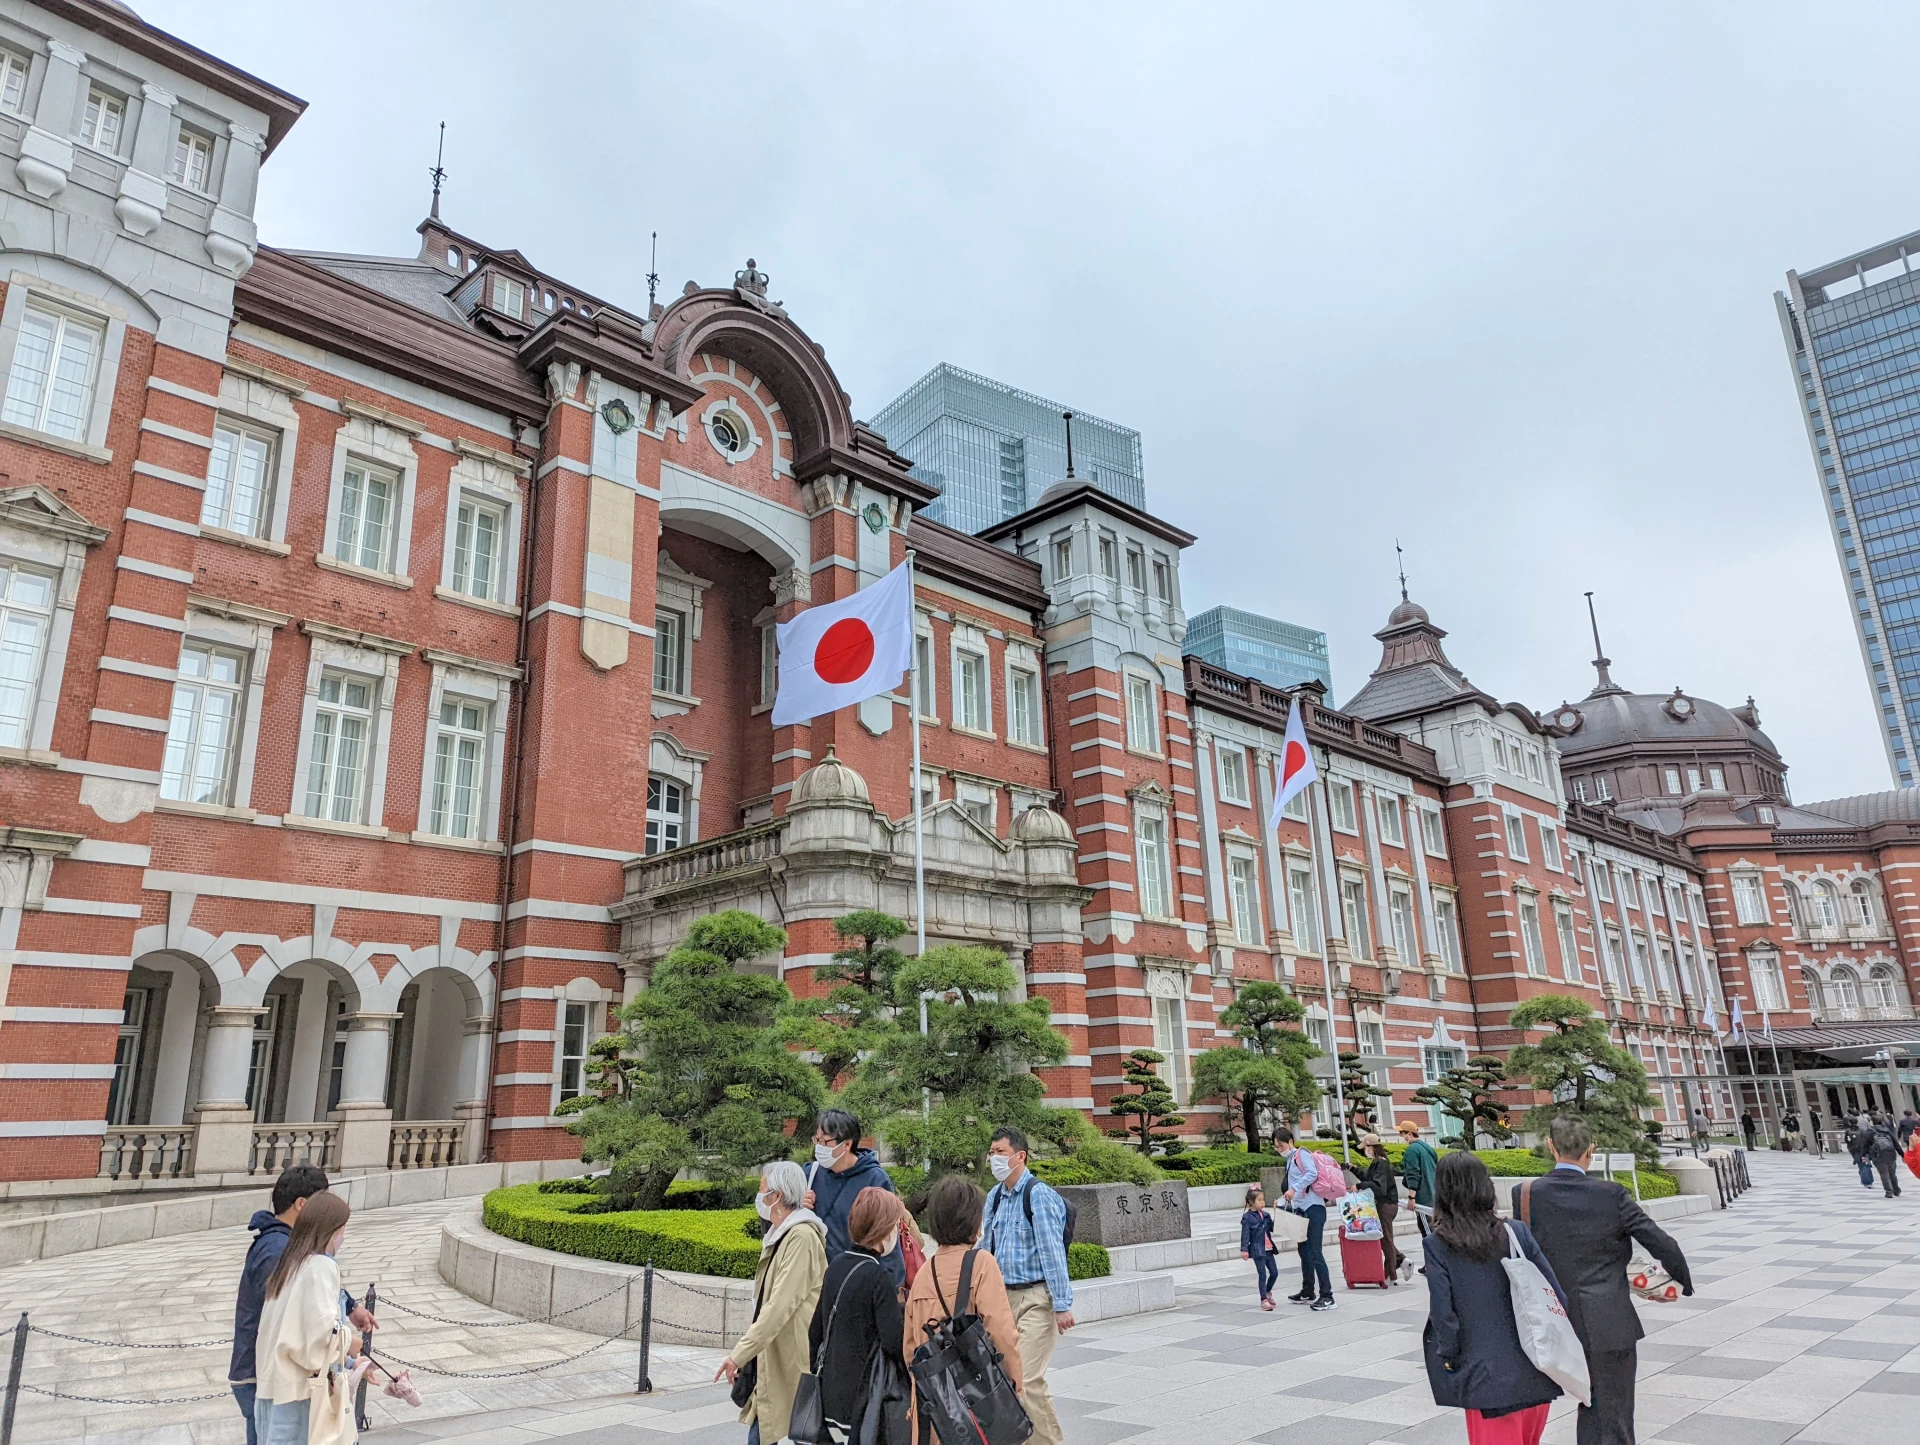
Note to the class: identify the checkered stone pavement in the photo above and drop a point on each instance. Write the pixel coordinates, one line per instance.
(1805, 1327)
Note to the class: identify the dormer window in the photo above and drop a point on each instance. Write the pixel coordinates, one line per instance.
(454, 259)
(509, 296)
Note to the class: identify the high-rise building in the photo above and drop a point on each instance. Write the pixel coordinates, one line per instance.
(992, 449)
(1853, 330)
(1276, 652)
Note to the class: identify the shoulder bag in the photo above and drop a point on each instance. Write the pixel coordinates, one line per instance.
(963, 1385)
(747, 1377)
(809, 1425)
(1546, 1333)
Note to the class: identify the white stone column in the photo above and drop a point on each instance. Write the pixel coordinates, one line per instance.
(46, 150)
(223, 1143)
(143, 185)
(232, 237)
(470, 1093)
(1278, 904)
(1379, 913)
(1333, 917)
(1220, 932)
(1423, 890)
(366, 1123)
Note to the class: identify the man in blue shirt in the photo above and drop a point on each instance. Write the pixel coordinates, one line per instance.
(1024, 1227)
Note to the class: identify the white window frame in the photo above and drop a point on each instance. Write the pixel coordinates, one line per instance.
(979, 800)
(1142, 702)
(110, 102)
(484, 481)
(1161, 569)
(488, 685)
(44, 534)
(1769, 982)
(16, 72)
(365, 441)
(196, 689)
(924, 654)
(240, 628)
(1355, 914)
(1304, 897)
(336, 649)
(1516, 831)
(42, 617)
(1672, 780)
(1243, 894)
(1446, 927)
(1550, 846)
(253, 402)
(1614, 959)
(1232, 765)
(972, 707)
(1569, 944)
(48, 294)
(1296, 808)
(597, 1003)
(1345, 820)
(1136, 565)
(677, 591)
(1640, 966)
(669, 757)
(187, 139)
(1153, 877)
(1025, 728)
(1717, 777)
(1060, 555)
(769, 664)
(222, 489)
(1401, 919)
(468, 726)
(661, 818)
(1629, 887)
(1664, 975)
(1433, 832)
(1602, 880)
(1107, 550)
(1166, 995)
(1392, 827)
(1532, 942)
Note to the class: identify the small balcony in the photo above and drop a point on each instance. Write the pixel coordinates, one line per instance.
(136, 1152)
(1860, 1013)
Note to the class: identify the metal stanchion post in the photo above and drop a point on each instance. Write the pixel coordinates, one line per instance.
(13, 1379)
(645, 1385)
(362, 1419)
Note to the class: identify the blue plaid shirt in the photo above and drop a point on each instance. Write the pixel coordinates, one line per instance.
(1029, 1252)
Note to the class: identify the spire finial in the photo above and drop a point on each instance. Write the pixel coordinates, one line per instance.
(653, 273)
(1401, 558)
(1067, 417)
(439, 171)
(1601, 662)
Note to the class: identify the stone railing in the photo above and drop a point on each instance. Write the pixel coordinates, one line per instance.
(147, 1151)
(426, 1144)
(1860, 1013)
(746, 848)
(277, 1146)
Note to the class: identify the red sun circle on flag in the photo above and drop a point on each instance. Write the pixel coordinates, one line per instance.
(844, 652)
(1294, 760)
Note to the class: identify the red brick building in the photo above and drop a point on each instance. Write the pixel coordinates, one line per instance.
(386, 665)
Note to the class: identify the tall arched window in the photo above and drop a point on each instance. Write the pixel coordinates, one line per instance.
(1769, 987)
(1862, 903)
(1883, 990)
(1843, 987)
(1826, 904)
(1816, 996)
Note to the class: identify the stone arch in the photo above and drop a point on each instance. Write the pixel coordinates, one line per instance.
(1883, 987)
(694, 503)
(1843, 986)
(439, 1045)
(116, 284)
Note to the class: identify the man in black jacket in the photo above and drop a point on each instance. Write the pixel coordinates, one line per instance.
(1586, 1228)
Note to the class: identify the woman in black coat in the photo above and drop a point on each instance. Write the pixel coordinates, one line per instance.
(1474, 1359)
(859, 1312)
(1385, 1184)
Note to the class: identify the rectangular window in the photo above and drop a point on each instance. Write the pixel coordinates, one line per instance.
(1136, 569)
(1109, 557)
(1143, 731)
(1530, 939)
(239, 480)
(923, 658)
(1533, 765)
(363, 534)
(1306, 911)
(1233, 774)
(1400, 910)
(666, 814)
(1023, 706)
(1550, 846)
(1320, 1033)
(126, 1055)
(573, 1048)
(1697, 906)
(1717, 778)
(56, 362)
(459, 769)
(1150, 839)
(1616, 960)
(100, 125)
(1246, 900)
(1435, 1063)
(1637, 942)
(1340, 806)
(929, 791)
(26, 619)
(1389, 810)
(1373, 1037)
(1162, 578)
(479, 532)
(770, 665)
(1693, 780)
(977, 803)
(1296, 807)
(192, 160)
(1516, 838)
(1062, 558)
(1629, 889)
(13, 82)
(1602, 882)
(1569, 949)
(1353, 905)
(509, 296)
(1602, 789)
(1580, 789)
(1749, 899)
(337, 765)
(970, 691)
(1654, 896)
(1446, 923)
(1672, 776)
(1663, 963)
(1170, 1038)
(198, 764)
(1500, 752)
(1432, 834)
(669, 651)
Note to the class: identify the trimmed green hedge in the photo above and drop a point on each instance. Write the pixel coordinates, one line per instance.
(694, 1241)
(1066, 1171)
(681, 1194)
(1246, 1171)
(1088, 1261)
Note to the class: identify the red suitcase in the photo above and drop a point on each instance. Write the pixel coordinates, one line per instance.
(1362, 1261)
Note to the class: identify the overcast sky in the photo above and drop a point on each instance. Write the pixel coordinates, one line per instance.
(1496, 280)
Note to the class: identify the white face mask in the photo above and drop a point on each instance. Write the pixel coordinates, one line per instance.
(893, 1243)
(765, 1209)
(1001, 1166)
(825, 1154)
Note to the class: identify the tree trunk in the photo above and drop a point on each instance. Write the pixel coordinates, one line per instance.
(1250, 1119)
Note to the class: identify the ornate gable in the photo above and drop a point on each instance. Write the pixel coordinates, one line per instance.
(36, 509)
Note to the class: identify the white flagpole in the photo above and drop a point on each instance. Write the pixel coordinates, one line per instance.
(919, 834)
(1325, 862)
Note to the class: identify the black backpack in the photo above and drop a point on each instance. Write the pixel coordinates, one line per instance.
(1026, 1200)
(964, 1390)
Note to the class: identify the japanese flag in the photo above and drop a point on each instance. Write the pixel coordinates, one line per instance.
(840, 653)
(1296, 769)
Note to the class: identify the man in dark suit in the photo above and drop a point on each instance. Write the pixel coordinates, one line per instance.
(1586, 1228)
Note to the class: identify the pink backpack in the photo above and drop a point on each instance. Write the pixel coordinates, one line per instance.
(1329, 1180)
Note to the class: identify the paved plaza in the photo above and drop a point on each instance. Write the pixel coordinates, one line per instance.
(1805, 1327)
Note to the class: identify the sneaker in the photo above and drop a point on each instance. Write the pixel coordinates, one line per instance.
(1266, 1304)
(1406, 1271)
(1325, 1302)
(1305, 1297)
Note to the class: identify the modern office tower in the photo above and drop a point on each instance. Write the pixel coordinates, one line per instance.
(992, 449)
(1853, 329)
(1276, 652)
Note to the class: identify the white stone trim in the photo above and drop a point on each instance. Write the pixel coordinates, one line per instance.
(66, 558)
(255, 638)
(383, 669)
(246, 398)
(23, 285)
(363, 438)
(496, 692)
(483, 479)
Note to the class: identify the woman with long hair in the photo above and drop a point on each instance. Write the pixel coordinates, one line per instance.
(308, 1358)
(1474, 1358)
(1380, 1178)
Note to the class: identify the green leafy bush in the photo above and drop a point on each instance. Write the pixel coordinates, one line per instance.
(1058, 1172)
(694, 1241)
(1514, 1163)
(1246, 1171)
(578, 1184)
(1088, 1261)
(908, 1180)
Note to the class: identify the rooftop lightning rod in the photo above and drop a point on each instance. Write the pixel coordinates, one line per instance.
(439, 171)
(653, 272)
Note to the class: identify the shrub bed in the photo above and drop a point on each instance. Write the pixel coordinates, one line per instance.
(1088, 1261)
(695, 1241)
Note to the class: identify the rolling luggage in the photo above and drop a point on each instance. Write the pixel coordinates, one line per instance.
(1362, 1261)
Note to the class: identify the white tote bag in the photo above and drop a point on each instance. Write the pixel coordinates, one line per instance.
(1546, 1334)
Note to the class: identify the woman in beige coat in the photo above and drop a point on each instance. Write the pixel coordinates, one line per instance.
(793, 1261)
(953, 1217)
(308, 1354)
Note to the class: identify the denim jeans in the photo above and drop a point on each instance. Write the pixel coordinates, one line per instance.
(753, 1433)
(1267, 1273)
(1313, 1257)
(243, 1397)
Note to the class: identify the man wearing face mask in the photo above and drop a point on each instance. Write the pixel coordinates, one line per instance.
(1025, 1230)
(840, 1170)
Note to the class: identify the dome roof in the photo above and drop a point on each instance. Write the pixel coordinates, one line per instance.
(1407, 612)
(830, 781)
(1623, 719)
(1040, 824)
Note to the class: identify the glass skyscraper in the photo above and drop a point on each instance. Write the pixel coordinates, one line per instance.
(1853, 330)
(993, 449)
(1276, 652)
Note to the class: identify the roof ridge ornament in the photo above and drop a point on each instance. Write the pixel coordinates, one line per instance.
(1601, 662)
(752, 279)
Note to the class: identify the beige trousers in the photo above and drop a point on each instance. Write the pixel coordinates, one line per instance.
(1033, 1319)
